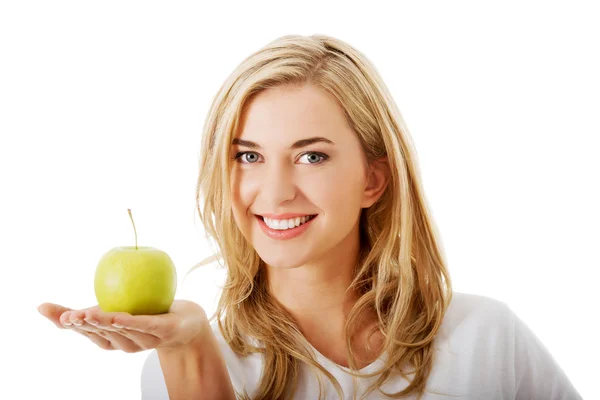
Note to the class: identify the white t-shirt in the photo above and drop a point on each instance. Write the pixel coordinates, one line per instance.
(482, 351)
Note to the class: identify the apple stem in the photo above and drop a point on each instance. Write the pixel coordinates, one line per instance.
(134, 231)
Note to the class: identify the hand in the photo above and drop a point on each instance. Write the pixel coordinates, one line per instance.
(184, 322)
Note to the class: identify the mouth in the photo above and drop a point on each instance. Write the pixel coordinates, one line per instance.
(286, 224)
(286, 228)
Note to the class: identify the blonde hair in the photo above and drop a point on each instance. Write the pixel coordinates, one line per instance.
(400, 275)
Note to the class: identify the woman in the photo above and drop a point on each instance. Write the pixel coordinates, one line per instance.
(336, 282)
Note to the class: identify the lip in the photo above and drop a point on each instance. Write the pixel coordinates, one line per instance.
(283, 216)
(284, 234)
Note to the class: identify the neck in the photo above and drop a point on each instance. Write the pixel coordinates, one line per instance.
(317, 297)
(318, 291)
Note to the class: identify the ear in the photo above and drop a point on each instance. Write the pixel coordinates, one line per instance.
(377, 181)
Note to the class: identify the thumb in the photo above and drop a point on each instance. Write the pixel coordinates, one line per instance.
(53, 312)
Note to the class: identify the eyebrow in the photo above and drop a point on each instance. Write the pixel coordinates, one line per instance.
(299, 144)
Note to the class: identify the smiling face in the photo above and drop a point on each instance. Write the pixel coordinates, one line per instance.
(295, 154)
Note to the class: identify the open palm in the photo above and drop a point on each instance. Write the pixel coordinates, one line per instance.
(184, 321)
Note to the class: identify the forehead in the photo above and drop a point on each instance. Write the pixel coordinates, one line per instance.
(292, 112)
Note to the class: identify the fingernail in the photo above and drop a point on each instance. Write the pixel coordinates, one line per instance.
(118, 326)
(78, 322)
(67, 323)
(91, 321)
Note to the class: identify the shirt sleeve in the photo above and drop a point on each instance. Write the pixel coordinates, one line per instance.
(537, 374)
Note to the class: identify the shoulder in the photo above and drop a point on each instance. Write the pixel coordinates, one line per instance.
(465, 308)
(496, 347)
(467, 303)
(475, 318)
(474, 348)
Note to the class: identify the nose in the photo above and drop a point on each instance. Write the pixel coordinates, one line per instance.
(278, 186)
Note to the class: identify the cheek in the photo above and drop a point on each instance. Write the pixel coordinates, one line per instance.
(237, 202)
(243, 191)
(336, 195)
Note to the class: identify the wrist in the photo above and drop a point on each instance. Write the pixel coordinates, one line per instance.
(197, 343)
(200, 365)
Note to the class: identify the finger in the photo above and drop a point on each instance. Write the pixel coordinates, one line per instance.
(122, 343)
(142, 340)
(76, 317)
(100, 341)
(158, 325)
(103, 320)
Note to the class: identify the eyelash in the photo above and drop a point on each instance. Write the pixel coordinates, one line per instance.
(324, 157)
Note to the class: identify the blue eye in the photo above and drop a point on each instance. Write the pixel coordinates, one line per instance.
(249, 160)
(315, 158)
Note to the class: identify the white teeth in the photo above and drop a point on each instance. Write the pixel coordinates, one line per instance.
(283, 224)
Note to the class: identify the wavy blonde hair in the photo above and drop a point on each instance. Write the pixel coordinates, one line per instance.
(401, 273)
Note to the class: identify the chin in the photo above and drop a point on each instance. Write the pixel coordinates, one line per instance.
(285, 260)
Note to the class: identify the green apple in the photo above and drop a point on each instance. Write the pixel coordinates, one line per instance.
(136, 280)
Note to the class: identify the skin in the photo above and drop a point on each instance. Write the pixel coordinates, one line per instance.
(308, 274)
(184, 322)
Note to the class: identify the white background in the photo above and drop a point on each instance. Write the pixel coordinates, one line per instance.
(101, 109)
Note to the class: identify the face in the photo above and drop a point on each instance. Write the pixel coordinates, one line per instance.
(295, 157)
